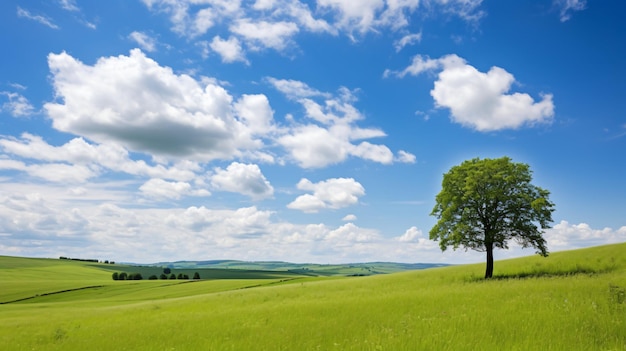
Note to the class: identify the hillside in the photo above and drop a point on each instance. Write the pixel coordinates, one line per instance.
(573, 300)
(368, 268)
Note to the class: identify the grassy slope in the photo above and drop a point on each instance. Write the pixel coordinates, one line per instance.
(22, 278)
(568, 301)
(307, 268)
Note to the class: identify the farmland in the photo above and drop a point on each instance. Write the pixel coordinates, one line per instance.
(572, 300)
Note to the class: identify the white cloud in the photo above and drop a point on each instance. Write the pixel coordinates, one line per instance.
(302, 14)
(566, 236)
(480, 100)
(256, 113)
(312, 146)
(48, 221)
(160, 188)
(134, 102)
(568, 6)
(372, 152)
(395, 16)
(274, 24)
(204, 20)
(69, 5)
(129, 104)
(329, 134)
(264, 34)
(245, 179)
(230, 50)
(465, 9)
(332, 193)
(371, 15)
(37, 18)
(144, 41)
(408, 39)
(416, 237)
(17, 105)
(295, 89)
(418, 65)
(405, 157)
(349, 218)
(193, 18)
(354, 15)
(96, 157)
(53, 172)
(349, 234)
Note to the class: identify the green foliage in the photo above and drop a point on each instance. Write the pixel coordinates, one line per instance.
(196, 275)
(172, 276)
(163, 276)
(167, 270)
(135, 276)
(115, 276)
(153, 277)
(485, 203)
(123, 276)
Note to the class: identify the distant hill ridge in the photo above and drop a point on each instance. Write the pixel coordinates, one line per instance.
(366, 268)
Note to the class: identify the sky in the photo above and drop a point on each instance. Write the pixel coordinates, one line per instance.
(304, 131)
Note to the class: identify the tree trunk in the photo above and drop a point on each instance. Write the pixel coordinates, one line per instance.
(489, 269)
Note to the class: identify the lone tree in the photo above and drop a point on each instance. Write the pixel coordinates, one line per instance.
(485, 203)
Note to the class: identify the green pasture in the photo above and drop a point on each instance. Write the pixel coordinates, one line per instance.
(354, 269)
(572, 300)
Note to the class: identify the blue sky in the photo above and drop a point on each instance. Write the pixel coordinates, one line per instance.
(304, 131)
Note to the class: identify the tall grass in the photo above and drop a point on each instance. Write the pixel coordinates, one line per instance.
(568, 301)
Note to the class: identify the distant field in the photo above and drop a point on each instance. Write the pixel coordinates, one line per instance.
(369, 268)
(572, 300)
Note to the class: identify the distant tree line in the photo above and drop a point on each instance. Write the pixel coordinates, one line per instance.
(86, 260)
(167, 274)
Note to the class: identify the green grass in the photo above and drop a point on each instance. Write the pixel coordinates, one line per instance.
(569, 301)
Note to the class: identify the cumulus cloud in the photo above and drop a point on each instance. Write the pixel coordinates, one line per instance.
(229, 49)
(565, 236)
(91, 156)
(329, 134)
(274, 24)
(264, 34)
(124, 105)
(245, 179)
(53, 172)
(354, 15)
(45, 221)
(134, 102)
(480, 100)
(255, 113)
(46, 225)
(405, 157)
(415, 236)
(349, 218)
(332, 193)
(191, 20)
(162, 189)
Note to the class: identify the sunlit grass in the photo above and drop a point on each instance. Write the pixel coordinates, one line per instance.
(568, 301)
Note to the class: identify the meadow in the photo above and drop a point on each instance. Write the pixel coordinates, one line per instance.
(572, 300)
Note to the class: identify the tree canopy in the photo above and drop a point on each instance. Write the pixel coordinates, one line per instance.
(485, 203)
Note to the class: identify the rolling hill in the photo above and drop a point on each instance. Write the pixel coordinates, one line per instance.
(574, 300)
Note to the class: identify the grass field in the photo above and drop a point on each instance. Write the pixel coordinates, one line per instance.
(569, 301)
